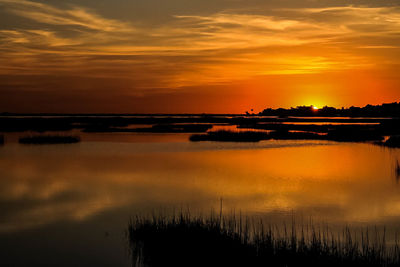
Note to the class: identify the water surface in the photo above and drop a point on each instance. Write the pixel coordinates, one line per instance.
(70, 204)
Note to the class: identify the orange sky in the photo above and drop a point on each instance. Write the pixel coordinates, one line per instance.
(203, 56)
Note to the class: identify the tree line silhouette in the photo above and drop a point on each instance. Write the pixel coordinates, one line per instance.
(384, 110)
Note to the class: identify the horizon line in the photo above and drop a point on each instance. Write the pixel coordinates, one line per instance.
(6, 113)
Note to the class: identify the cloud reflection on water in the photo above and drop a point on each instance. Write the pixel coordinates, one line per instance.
(336, 183)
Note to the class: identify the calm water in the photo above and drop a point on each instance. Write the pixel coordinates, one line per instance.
(70, 204)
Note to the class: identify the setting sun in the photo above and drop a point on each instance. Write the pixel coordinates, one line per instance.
(120, 58)
(138, 128)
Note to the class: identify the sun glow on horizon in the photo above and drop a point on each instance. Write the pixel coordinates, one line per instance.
(280, 56)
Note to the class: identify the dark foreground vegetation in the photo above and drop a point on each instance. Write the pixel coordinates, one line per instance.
(49, 139)
(187, 240)
(1, 140)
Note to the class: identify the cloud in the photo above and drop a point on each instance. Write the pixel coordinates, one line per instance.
(192, 50)
(75, 16)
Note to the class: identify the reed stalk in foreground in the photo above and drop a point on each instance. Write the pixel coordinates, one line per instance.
(216, 240)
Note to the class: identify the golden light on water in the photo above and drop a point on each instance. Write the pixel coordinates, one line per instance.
(190, 57)
(254, 180)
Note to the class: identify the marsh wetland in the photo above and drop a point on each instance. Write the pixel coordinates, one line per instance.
(74, 203)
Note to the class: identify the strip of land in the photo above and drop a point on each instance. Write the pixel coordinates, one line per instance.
(48, 139)
(380, 130)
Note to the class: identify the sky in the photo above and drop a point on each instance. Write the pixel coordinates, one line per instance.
(196, 56)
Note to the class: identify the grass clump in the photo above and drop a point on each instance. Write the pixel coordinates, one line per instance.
(186, 240)
(49, 139)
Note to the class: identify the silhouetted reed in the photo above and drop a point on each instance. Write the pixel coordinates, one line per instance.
(49, 139)
(217, 240)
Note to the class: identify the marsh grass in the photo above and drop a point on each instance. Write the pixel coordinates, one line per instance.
(49, 139)
(216, 240)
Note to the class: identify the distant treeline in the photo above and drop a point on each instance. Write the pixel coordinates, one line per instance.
(384, 110)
